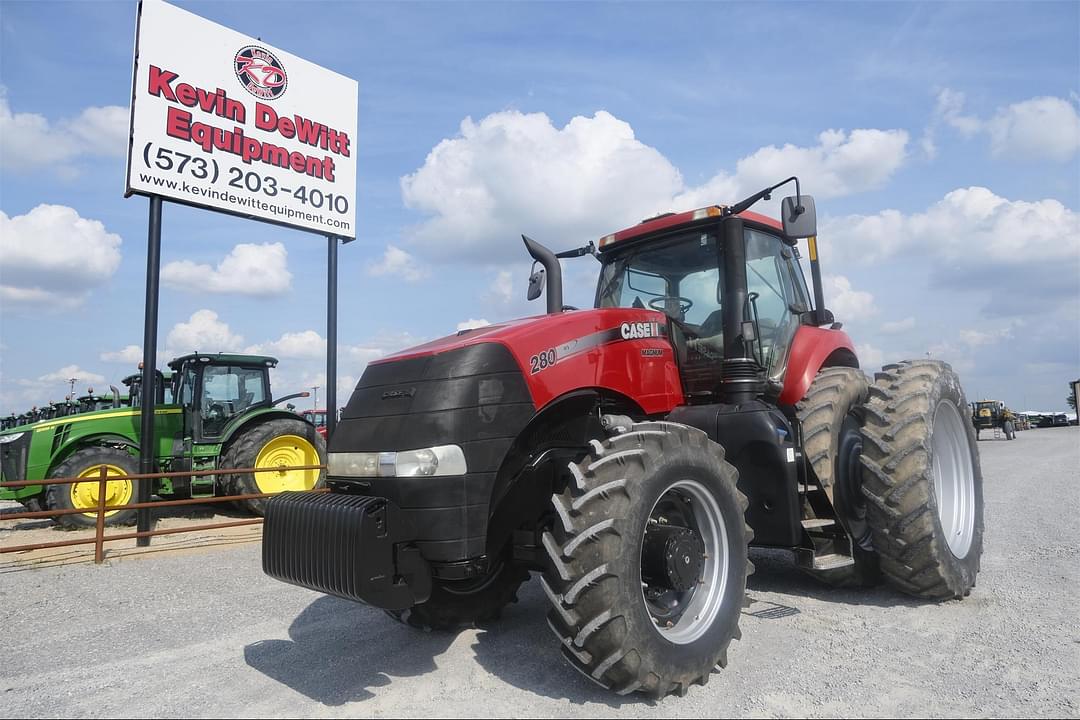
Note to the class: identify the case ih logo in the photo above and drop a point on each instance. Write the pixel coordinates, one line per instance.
(260, 72)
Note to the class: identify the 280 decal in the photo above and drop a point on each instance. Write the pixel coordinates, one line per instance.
(543, 360)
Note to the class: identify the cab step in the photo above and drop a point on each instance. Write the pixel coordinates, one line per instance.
(815, 523)
(832, 561)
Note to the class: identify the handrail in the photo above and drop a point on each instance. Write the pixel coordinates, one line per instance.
(100, 538)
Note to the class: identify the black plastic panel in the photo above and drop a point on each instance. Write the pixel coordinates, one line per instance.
(351, 546)
(474, 397)
(758, 441)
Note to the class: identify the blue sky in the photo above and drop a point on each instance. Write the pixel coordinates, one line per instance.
(941, 141)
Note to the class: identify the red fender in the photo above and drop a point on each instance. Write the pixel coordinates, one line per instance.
(810, 351)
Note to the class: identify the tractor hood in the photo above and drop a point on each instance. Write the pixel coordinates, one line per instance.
(622, 349)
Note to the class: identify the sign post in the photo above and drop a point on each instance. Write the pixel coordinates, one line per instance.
(226, 122)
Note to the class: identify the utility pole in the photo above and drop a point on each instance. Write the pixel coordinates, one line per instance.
(71, 395)
(315, 397)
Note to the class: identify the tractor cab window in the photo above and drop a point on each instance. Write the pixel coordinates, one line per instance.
(228, 391)
(773, 292)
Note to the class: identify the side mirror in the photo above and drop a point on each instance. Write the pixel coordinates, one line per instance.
(536, 283)
(799, 216)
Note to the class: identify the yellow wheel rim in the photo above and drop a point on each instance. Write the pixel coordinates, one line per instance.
(117, 492)
(282, 452)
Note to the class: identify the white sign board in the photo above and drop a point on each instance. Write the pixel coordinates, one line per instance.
(224, 121)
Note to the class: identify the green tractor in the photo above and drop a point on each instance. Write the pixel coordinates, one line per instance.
(213, 411)
(993, 415)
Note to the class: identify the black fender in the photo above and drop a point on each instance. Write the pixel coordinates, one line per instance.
(531, 470)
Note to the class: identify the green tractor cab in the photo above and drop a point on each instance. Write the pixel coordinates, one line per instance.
(212, 411)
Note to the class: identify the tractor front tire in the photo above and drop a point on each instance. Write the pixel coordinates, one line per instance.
(648, 560)
(1010, 431)
(832, 442)
(466, 603)
(87, 463)
(282, 442)
(922, 480)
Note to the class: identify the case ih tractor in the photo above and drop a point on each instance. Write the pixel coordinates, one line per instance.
(216, 411)
(632, 452)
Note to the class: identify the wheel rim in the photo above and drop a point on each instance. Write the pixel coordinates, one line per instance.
(282, 452)
(954, 478)
(850, 501)
(117, 492)
(683, 616)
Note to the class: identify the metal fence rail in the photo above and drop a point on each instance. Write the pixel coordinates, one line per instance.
(100, 538)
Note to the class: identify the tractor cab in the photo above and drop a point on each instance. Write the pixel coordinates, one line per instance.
(681, 274)
(162, 387)
(215, 389)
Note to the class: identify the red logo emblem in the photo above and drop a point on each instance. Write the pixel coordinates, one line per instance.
(260, 72)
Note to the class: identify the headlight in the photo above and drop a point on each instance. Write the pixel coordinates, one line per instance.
(5, 439)
(425, 462)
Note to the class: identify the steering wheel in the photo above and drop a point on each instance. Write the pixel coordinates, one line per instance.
(684, 303)
(217, 411)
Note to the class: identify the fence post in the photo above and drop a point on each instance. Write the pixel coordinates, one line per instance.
(99, 550)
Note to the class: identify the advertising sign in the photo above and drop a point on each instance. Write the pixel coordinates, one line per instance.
(227, 122)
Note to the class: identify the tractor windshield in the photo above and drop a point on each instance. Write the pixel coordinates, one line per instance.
(228, 391)
(682, 278)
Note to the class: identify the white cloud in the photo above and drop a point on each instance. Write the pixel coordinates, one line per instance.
(29, 140)
(129, 354)
(511, 173)
(950, 105)
(472, 324)
(397, 263)
(870, 358)
(203, 332)
(840, 164)
(1042, 128)
(65, 374)
(52, 386)
(248, 269)
(897, 326)
(847, 303)
(969, 224)
(978, 338)
(306, 344)
(52, 255)
(502, 287)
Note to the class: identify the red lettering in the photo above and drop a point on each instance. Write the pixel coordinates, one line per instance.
(307, 131)
(286, 127)
(178, 124)
(186, 94)
(265, 117)
(159, 83)
(298, 162)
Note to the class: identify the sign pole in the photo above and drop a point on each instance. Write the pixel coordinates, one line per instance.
(331, 334)
(148, 389)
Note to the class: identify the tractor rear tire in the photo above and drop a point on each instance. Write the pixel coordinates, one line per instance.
(832, 442)
(922, 480)
(283, 442)
(466, 603)
(87, 463)
(659, 485)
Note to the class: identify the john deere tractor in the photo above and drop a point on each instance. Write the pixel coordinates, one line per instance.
(630, 453)
(213, 411)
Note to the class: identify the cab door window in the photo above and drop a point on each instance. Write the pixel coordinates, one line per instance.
(771, 288)
(227, 392)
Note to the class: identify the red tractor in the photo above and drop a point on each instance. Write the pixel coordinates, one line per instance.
(632, 452)
(318, 419)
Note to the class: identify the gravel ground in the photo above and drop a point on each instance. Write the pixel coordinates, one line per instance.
(208, 635)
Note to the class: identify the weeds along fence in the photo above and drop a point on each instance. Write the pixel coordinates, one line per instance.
(100, 537)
